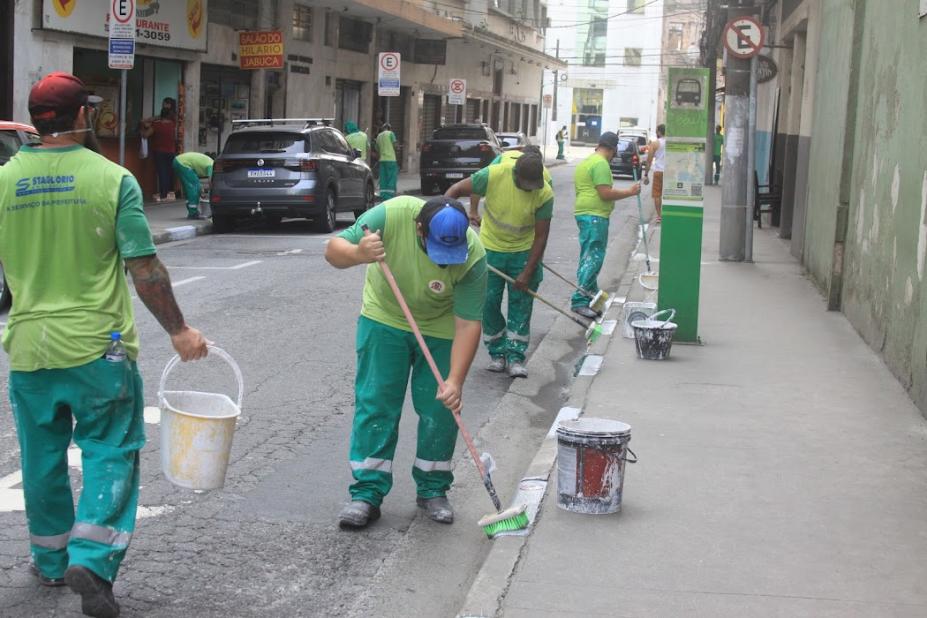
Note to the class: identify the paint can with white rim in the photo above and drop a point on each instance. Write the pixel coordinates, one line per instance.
(591, 457)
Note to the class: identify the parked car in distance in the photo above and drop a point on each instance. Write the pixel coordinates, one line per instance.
(641, 136)
(453, 153)
(292, 167)
(628, 161)
(688, 91)
(512, 141)
(12, 136)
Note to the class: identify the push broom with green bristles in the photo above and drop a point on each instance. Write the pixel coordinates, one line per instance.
(514, 518)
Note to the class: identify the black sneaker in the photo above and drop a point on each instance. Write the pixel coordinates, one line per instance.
(51, 582)
(96, 593)
(357, 514)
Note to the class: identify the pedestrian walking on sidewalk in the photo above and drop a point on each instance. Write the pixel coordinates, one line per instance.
(561, 141)
(192, 168)
(440, 265)
(72, 341)
(389, 168)
(716, 153)
(162, 131)
(656, 162)
(357, 139)
(514, 229)
(595, 200)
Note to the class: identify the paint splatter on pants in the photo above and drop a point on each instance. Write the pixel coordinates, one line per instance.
(106, 402)
(593, 240)
(191, 186)
(385, 358)
(389, 173)
(508, 337)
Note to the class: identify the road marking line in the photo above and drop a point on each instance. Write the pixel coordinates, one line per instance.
(11, 480)
(186, 281)
(12, 500)
(245, 265)
(236, 267)
(290, 252)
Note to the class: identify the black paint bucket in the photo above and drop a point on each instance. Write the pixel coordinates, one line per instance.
(654, 338)
(591, 453)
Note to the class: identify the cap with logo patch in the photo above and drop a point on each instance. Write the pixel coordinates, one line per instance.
(446, 224)
(58, 93)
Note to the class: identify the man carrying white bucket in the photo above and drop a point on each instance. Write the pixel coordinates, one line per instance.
(68, 219)
(440, 266)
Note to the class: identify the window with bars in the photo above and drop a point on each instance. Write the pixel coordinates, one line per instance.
(632, 56)
(302, 22)
(355, 35)
(238, 14)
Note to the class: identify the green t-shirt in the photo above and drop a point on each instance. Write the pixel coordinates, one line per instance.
(385, 141)
(591, 173)
(358, 141)
(68, 218)
(434, 294)
(509, 213)
(196, 161)
(719, 141)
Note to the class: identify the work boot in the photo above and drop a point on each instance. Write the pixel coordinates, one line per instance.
(517, 369)
(357, 514)
(496, 365)
(96, 593)
(438, 508)
(51, 582)
(586, 312)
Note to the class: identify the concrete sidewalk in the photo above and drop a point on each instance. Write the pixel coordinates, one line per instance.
(783, 470)
(168, 222)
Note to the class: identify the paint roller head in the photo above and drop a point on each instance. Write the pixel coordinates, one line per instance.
(513, 518)
(593, 332)
(599, 302)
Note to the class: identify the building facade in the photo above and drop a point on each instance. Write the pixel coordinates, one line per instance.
(614, 65)
(683, 25)
(189, 51)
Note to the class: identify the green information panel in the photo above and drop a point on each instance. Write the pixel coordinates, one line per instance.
(683, 212)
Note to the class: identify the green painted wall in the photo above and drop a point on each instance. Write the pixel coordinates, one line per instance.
(884, 293)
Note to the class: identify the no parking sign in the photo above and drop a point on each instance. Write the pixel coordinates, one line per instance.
(388, 74)
(457, 92)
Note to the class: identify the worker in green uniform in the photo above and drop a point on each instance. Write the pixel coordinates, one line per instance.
(190, 168)
(440, 266)
(357, 139)
(68, 219)
(561, 142)
(717, 145)
(514, 229)
(389, 168)
(595, 201)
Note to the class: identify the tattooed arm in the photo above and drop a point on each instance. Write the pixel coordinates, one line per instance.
(153, 284)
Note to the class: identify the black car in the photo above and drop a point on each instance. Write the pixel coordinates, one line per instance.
(455, 152)
(299, 168)
(512, 141)
(627, 162)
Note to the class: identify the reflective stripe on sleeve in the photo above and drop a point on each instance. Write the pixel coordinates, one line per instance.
(100, 534)
(433, 466)
(373, 463)
(55, 541)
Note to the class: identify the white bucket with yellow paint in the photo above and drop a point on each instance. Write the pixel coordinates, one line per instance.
(197, 430)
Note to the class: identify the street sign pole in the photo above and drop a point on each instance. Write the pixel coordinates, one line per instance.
(122, 56)
(122, 116)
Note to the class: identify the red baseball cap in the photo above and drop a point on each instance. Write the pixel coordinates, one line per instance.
(58, 92)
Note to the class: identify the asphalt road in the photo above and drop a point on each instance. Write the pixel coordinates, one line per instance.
(268, 543)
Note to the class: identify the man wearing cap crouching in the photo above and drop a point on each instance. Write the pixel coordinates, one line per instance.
(69, 218)
(440, 266)
(514, 229)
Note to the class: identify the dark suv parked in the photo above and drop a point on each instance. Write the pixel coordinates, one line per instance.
(288, 168)
(455, 152)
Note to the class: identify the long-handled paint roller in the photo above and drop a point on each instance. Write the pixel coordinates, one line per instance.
(514, 518)
(597, 302)
(593, 329)
(640, 213)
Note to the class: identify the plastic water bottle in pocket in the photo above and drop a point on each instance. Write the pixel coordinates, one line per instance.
(116, 352)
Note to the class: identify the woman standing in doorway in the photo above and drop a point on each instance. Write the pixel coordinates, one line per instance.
(162, 130)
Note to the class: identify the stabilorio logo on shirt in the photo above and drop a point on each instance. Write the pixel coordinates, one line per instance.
(436, 286)
(64, 8)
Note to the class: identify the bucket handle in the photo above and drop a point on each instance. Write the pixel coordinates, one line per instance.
(630, 460)
(171, 364)
(671, 312)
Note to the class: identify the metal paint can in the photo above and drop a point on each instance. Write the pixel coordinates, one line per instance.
(591, 456)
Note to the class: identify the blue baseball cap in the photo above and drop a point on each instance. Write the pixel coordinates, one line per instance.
(446, 223)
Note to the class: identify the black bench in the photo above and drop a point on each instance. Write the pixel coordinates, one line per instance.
(765, 195)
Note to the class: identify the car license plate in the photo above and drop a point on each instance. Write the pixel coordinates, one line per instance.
(260, 173)
(454, 175)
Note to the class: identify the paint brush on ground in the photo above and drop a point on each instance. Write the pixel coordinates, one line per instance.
(597, 302)
(640, 214)
(514, 518)
(593, 328)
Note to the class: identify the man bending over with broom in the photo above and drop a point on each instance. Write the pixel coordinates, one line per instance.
(440, 267)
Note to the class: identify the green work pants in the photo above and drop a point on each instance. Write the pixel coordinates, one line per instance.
(389, 173)
(191, 186)
(104, 401)
(385, 358)
(503, 337)
(593, 240)
(560, 150)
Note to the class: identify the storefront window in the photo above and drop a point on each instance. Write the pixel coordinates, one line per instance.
(91, 67)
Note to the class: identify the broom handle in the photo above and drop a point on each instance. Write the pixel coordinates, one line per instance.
(538, 296)
(565, 280)
(431, 362)
(640, 214)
